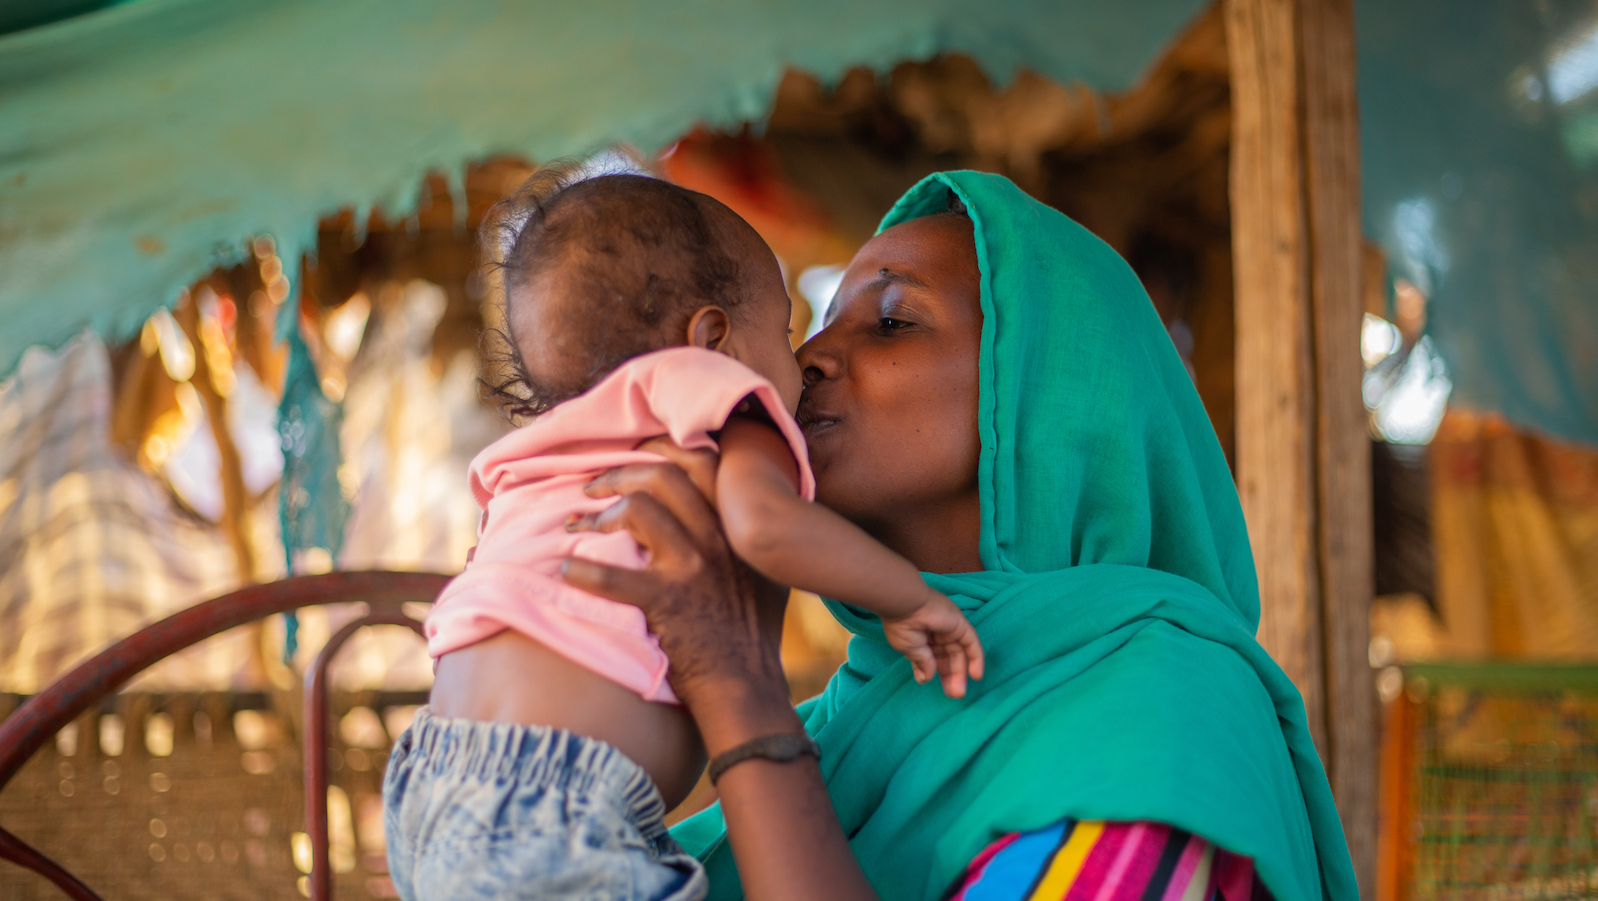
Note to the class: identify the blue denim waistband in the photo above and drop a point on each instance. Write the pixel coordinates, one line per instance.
(536, 756)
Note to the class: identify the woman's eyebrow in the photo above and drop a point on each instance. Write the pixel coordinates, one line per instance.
(887, 277)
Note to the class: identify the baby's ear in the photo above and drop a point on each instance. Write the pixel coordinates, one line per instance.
(711, 328)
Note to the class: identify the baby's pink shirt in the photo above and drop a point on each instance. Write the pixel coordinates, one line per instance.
(530, 481)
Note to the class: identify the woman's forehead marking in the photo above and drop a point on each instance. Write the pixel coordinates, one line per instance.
(886, 276)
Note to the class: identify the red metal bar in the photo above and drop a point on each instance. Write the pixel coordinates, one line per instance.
(316, 739)
(20, 852)
(46, 713)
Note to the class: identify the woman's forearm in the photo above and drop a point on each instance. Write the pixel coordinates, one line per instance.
(784, 832)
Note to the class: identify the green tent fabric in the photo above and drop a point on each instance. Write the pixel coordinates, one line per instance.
(1117, 609)
(144, 141)
(32, 14)
(1479, 134)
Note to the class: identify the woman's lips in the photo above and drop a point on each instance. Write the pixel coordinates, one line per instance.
(813, 422)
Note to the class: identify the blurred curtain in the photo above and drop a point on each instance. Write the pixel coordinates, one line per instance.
(91, 546)
(1515, 531)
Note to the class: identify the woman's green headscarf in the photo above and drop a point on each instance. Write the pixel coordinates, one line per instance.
(1117, 607)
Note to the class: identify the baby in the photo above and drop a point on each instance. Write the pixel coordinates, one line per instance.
(553, 744)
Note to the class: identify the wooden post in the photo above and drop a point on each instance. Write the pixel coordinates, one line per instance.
(1275, 398)
(1303, 461)
(1346, 539)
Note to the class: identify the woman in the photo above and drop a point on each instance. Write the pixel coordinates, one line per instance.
(994, 398)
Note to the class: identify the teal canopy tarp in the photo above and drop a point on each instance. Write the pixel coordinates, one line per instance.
(1479, 126)
(140, 143)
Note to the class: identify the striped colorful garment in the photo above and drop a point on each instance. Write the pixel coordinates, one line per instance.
(1097, 861)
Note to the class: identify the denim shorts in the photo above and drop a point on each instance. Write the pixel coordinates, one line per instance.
(476, 810)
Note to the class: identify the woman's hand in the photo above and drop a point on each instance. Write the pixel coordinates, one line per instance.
(720, 623)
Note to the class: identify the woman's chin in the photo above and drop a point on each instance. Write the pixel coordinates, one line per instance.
(821, 467)
(821, 439)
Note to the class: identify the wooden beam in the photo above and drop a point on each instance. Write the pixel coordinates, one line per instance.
(1275, 397)
(1342, 441)
(1303, 459)
(1373, 274)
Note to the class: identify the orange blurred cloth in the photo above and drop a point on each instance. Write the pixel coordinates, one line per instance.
(747, 176)
(1515, 533)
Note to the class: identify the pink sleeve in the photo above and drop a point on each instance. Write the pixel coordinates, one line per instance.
(682, 392)
(718, 384)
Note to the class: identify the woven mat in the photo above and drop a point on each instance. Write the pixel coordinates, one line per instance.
(202, 798)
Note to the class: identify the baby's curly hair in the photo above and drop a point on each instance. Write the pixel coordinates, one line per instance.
(633, 256)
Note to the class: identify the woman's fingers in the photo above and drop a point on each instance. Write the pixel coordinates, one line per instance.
(719, 622)
(700, 465)
(654, 528)
(670, 487)
(629, 586)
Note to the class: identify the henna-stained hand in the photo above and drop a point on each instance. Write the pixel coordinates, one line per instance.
(717, 619)
(720, 623)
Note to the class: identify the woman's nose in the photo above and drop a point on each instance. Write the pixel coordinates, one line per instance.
(817, 362)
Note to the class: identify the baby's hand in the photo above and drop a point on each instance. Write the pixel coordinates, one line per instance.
(938, 640)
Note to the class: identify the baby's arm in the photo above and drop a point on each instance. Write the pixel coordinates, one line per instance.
(809, 546)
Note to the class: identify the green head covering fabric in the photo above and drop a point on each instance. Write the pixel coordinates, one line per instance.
(1117, 607)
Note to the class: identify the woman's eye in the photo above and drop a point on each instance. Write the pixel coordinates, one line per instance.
(889, 324)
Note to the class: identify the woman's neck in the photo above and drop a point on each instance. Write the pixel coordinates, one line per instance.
(945, 538)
